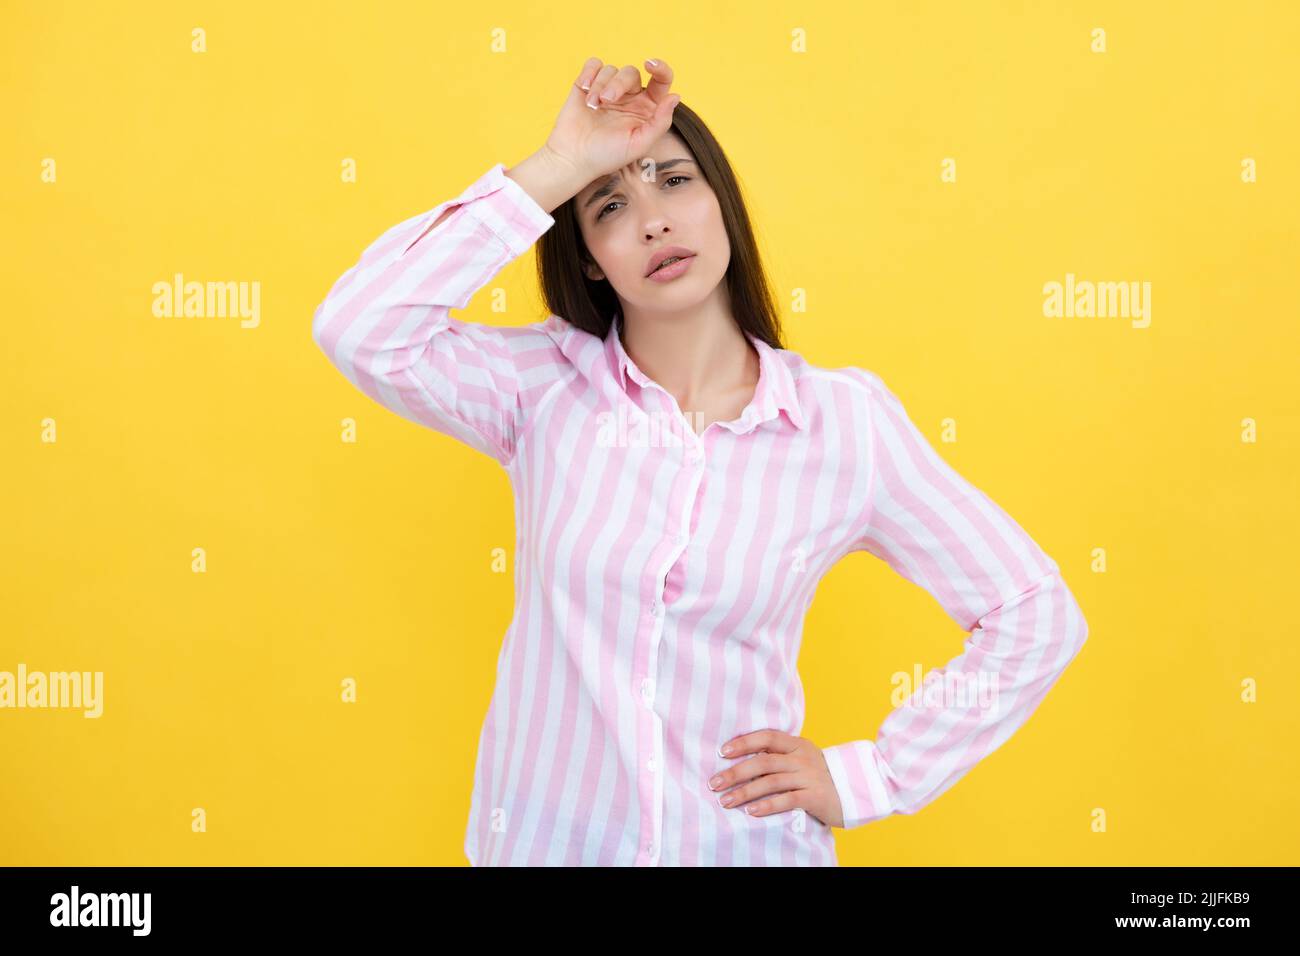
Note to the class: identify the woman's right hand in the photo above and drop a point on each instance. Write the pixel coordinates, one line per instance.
(625, 122)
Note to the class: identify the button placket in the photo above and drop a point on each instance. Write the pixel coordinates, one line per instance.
(646, 687)
(652, 793)
(682, 537)
(656, 734)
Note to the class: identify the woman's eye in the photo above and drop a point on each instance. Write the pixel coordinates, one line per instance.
(601, 214)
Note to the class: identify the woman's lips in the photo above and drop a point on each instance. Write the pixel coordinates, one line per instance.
(672, 271)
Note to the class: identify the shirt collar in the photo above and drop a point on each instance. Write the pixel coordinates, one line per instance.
(776, 387)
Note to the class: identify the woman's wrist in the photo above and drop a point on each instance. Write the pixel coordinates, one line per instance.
(550, 179)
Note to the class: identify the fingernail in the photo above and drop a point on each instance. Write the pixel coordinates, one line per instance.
(713, 784)
(653, 62)
(726, 749)
(607, 95)
(590, 103)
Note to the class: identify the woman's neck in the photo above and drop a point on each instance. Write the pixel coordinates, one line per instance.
(701, 360)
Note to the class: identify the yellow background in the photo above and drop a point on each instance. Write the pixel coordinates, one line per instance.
(222, 688)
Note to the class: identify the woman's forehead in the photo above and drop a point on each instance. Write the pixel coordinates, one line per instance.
(638, 168)
(666, 147)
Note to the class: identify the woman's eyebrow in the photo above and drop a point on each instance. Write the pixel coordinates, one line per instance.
(611, 181)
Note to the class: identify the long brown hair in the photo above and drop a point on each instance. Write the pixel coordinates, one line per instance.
(591, 304)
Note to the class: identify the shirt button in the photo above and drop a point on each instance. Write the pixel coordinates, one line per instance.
(656, 608)
(650, 849)
(648, 690)
(651, 766)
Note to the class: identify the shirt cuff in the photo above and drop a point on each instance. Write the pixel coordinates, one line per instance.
(507, 209)
(862, 779)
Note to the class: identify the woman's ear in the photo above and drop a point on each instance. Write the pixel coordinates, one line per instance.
(591, 270)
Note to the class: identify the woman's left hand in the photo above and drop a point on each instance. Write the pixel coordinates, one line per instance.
(788, 772)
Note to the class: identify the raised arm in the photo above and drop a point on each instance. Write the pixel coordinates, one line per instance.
(940, 532)
(386, 324)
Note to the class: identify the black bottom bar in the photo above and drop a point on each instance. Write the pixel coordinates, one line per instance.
(920, 904)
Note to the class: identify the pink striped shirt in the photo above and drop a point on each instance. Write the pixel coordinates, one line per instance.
(662, 577)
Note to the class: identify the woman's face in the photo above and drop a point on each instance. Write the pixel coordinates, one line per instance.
(660, 200)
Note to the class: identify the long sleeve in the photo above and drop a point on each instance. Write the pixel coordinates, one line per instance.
(386, 324)
(939, 532)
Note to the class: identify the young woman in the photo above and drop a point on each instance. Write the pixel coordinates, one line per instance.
(682, 482)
